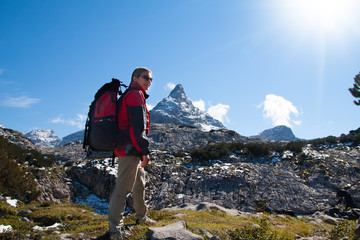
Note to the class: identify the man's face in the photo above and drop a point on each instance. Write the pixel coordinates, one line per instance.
(144, 80)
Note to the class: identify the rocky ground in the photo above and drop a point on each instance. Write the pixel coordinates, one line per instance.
(300, 184)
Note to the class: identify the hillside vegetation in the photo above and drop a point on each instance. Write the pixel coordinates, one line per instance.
(19, 170)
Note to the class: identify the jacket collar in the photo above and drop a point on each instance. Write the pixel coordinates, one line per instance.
(135, 85)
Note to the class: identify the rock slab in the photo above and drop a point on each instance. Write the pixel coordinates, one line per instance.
(175, 231)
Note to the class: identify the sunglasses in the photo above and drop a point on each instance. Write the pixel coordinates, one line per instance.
(147, 78)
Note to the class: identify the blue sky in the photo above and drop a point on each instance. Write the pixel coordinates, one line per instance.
(252, 64)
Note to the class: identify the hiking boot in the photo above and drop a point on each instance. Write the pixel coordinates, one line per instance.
(146, 221)
(120, 234)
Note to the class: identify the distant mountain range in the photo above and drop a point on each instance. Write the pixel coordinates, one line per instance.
(177, 109)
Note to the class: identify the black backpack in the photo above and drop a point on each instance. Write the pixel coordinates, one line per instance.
(101, 128)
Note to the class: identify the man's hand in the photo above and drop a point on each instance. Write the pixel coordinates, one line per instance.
(145, 160)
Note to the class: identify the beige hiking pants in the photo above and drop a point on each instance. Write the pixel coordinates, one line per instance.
(130, 178)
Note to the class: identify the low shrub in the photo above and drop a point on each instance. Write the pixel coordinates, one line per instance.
(295, 147)
(354, 139)
(179, 154)
(343, 230)
(15, 181)
(223, 150)
(212, 151)
(31, 156)
(256, 232)
(6, 209)
(258, 149)
(324, 141)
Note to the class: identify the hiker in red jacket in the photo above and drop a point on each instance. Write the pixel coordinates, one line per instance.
(132, 154)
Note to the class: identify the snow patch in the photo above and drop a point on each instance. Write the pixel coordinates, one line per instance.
(5, 228)
(100, 205)
(11, 202)
(38, 228)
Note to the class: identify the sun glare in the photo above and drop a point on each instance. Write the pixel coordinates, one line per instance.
(326, 14)
(319, 16)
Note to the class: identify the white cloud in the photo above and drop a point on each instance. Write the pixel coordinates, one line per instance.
(20, 102)
(219, 112)
(78, 121)
(149, 106)
(199, 104)
(170, 86)
(58, 120)
(279, 110)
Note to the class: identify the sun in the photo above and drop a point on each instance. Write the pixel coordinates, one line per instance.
(327, 15)
(330, 17)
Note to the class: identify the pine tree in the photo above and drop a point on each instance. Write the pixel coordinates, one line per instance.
(355, 91)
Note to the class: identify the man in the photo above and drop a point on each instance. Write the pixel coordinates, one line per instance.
(132, 154)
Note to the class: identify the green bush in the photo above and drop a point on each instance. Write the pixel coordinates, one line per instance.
(295, 147)
(17, 179)
(223, 150)
(179, 154)
(331, 140)
(6, 209)
(16, 182)
(324, 141)
(258, 149)
(317, 142)
(33, 157)
(355, 132)
(212, 151)
(260, 232)
(354, 139)
(342, 230)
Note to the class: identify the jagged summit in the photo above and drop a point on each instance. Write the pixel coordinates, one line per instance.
(281, 133)
(177, 108)
(179, 93)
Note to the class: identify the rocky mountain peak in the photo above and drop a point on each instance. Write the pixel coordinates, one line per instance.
(43, 137)
(178, 92)
(177, 108)
(281, 133)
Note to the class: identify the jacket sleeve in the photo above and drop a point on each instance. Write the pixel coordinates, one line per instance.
(137, 114)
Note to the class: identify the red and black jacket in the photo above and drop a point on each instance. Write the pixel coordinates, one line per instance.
(134, 123)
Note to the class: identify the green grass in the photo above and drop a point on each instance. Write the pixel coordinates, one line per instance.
(82, 222)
